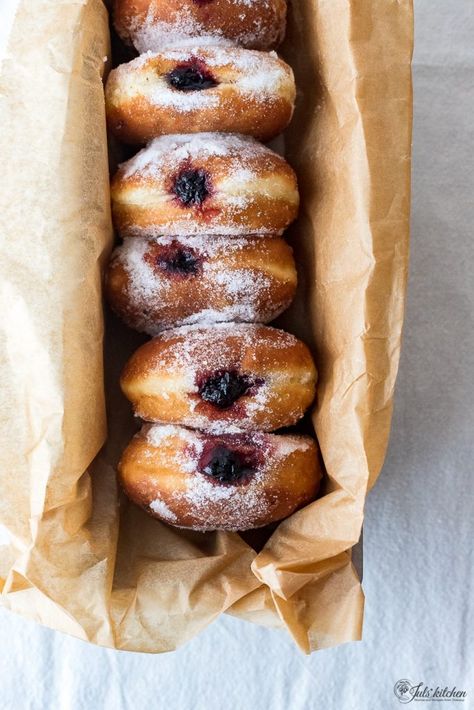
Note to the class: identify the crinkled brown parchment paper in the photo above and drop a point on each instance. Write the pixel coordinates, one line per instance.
(73, 554)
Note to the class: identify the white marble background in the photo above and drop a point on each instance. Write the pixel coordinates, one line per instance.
(418, 565)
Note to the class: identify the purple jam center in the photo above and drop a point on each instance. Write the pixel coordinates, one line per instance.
(192, 76)
(223, 388)
(192, 187)
(179, 261)
(225, 465)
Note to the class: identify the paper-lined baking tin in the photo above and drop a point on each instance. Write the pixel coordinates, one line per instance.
(71, 557)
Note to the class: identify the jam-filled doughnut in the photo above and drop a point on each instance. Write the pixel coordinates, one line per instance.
(204, 183)
(154, 24)
(184, 90)
(154, 284)
(227, 377)
(195, 480)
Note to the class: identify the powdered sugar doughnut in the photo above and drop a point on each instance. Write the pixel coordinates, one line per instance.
(206, 183)
(224, 378)
(154, 24)
(154, 284)
(223, 89)
(229, 482)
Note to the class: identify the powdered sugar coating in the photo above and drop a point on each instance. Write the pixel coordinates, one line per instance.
(215, 505)
(156, 435)
(160, 508)
(276, 365)
(250, 189)
(251, 23)
(257, 76)
(220, 290)
(174, 150)
(211, 337)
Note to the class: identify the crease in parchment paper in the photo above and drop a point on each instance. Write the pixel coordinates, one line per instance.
(75, 555)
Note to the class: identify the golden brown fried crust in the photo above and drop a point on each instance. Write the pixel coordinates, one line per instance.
(141, 104)
(251, 280)
(163, 378)
(254, 192)
(166, 478)
(149, 24)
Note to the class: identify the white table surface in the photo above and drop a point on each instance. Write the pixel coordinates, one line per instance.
(418, 564)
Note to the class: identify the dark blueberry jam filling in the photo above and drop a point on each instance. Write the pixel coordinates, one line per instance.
(178, 260)
(223, 388)
(191, 76)
(225, 465)
(191, 187)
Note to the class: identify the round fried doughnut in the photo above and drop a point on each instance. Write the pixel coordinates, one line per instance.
(154, 284)
(201, 481)
(225, 89)
(204, 183)
(154, 24)
(227, 377)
